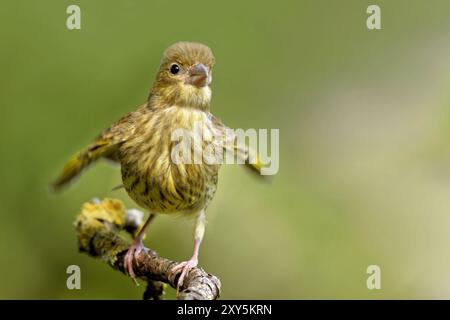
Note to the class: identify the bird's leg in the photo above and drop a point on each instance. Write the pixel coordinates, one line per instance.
(136, 248)
(186, 266)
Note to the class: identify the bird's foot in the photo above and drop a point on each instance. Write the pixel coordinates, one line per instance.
(185, 266)
(133, 252)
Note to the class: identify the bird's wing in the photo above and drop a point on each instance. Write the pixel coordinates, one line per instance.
(105, 145)
(249, 156)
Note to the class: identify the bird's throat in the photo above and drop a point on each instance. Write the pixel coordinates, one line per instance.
(183, 96)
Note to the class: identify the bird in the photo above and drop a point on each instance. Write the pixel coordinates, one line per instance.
(142, 143)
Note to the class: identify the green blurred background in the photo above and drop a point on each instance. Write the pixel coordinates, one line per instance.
(364, 119)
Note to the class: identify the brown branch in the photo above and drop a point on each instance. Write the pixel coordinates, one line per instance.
(98, 226)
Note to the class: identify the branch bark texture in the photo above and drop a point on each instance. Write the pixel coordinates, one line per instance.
(98, 227)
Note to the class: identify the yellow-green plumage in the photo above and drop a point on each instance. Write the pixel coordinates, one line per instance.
(141, 143)
(150, 177)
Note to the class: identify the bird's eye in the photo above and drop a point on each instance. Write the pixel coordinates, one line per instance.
(174, 69)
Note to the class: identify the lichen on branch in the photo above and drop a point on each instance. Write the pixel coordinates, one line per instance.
(98, 227)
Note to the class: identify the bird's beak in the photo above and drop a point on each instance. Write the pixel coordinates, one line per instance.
(198, 76)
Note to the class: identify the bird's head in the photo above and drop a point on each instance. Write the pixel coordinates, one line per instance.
(184, 76)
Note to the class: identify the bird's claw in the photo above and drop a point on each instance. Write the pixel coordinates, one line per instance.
(185, 266)
(132, 253)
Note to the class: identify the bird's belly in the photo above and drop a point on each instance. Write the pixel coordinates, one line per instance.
(153, 179)
(164, 191)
